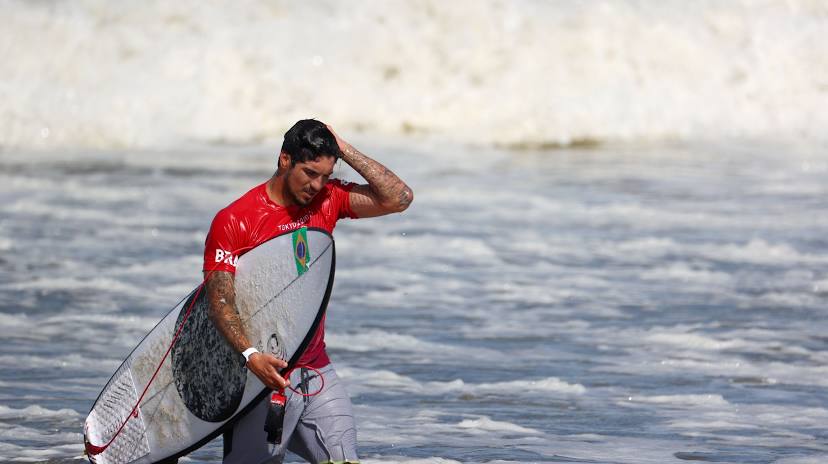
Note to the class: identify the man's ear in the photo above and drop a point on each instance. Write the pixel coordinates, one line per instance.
(284, 161)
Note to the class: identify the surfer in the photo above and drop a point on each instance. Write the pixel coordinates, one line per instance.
(318, 428)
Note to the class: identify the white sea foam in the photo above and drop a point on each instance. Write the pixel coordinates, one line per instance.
(704, 426)
(821, 286)
(525, 72)
(35, 411)
(463, 249)
(391, 382)
(788, 300)
(484, 424)
(645, 249)
(711, 400)
(691, 341)
(683, 273)
(373, 340)
(34, 434)
(759, 251)
(68, 387)
(52, 361)
(98, 284)
(388, 428)
(733, 423)
(547, 385)
(45, 454)
(734, 367)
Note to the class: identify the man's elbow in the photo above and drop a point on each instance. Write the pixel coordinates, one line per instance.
(405, 200)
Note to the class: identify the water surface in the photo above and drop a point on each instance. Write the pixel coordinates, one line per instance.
(620, 304)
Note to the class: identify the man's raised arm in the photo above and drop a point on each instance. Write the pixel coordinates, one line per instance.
(385, 193)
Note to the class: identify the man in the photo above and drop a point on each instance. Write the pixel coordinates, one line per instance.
(319, 428)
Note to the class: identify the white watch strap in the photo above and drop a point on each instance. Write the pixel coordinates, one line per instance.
(246, 353)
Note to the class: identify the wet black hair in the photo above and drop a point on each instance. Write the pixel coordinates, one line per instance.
(309, 139)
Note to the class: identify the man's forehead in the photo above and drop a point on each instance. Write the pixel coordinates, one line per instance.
(323, 164)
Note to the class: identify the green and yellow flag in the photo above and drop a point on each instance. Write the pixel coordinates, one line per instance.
(301, 253)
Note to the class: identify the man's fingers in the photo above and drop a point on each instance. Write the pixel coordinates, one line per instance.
(276, 380)
(276, 362)
(339, 140)
(273, 366)
(266, 368)
(282, 382)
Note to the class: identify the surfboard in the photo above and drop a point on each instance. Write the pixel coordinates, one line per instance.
(202, 386)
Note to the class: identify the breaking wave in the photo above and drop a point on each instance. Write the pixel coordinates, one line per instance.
(521, 74)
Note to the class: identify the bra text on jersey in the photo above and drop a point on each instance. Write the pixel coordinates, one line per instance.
(226, 257)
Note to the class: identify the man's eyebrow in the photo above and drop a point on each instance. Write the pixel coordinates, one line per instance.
(314, 171)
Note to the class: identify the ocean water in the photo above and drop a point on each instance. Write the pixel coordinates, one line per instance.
(624, 304)
(617, 251)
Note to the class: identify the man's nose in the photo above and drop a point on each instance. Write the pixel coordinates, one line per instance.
(317, 184)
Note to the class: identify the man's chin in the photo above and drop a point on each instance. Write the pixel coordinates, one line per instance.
(302, 200)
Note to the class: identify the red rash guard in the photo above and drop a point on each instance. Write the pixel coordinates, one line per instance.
(254, 219)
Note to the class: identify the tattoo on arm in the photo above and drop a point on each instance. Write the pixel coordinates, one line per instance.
(221, 300)
(390, 190)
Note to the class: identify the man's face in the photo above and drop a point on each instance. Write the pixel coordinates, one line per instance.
(305, 180)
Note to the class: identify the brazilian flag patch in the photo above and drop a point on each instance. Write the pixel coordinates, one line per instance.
(301, 254)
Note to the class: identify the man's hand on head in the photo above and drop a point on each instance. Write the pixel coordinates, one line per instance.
(266, 367)
(339, 141)
(385, 193)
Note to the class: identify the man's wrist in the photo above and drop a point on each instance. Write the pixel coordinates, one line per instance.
(248, 353)
(348, 152)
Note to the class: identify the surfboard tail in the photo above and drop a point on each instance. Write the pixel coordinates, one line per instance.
(115, 415)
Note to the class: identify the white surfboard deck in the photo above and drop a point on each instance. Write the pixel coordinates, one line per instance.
(282, 290)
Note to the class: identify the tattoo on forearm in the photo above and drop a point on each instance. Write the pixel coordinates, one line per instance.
(221, 298)
(385, 184)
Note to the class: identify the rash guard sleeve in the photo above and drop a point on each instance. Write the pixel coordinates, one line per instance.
(341, 197)
(222, 246)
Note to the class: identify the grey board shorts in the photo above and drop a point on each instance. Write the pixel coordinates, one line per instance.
(319, 428)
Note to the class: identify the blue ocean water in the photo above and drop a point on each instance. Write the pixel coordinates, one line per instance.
(613, 304)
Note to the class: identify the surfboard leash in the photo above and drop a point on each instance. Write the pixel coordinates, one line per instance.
(94, 450)
(274, 421)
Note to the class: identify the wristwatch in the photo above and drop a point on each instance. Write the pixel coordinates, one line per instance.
(249, 352)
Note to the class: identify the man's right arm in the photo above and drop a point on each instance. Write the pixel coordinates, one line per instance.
(221, 301)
